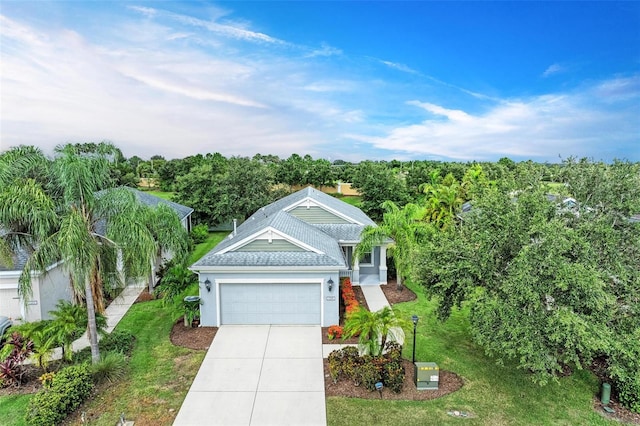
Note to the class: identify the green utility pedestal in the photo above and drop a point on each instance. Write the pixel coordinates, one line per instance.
(427, 375)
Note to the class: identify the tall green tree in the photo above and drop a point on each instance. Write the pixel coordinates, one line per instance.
(401, 229)
(377, 183)
(89, 231)
(548, 287)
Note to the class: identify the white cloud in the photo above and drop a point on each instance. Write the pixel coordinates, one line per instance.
(541, 127)
(400, 67)
(156, 82)
(553, 69)
(325, 50)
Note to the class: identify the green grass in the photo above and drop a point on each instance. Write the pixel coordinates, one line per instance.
(14, 407)
(157, 380)
(162, 194)
(203, 248)
(159, 373)
(495, 395)
(354, 200)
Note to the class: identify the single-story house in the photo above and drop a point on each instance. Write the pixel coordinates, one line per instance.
(54, 285)
(283, 264)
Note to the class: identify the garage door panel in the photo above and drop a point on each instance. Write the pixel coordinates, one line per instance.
(270, 303)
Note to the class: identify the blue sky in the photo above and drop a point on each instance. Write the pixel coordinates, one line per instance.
(339, 80)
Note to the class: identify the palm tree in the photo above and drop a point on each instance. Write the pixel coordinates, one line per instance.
(68, 324)
(89, 230)
(402, 229)
(443, 200)
(374, 329)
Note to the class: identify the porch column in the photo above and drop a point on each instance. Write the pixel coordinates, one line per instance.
(356, 271)
(383, 265)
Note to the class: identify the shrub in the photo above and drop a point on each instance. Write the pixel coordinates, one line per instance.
(393, 376)
(351, 361)
(118, 341)
(199, 233)
(335, 365)
(111, 367)
(393, 351)
(69, 388)
(11, 369)
(47, 379)
(624, 370)
(369, 372)
(334, 332)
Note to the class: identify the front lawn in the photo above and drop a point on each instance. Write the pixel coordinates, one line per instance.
(159, 377)
(203, 248)
(492, 395)
(14, 406)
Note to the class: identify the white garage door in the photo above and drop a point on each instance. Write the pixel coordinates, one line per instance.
(270, 303)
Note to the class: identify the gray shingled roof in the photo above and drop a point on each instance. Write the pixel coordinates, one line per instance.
(19, 260)
(333, 203)
(153, 201)
(288, 225)
(323, 237)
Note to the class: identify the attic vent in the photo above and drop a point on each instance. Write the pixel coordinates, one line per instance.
(308, 204)
(270, 237)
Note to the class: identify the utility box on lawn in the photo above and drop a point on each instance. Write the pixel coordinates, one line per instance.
(427, 375)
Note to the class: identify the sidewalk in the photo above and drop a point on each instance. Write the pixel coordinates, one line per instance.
(114, 313)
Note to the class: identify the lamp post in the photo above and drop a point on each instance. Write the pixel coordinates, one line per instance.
(414, 318)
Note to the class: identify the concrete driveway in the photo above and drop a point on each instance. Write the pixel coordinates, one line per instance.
(259, 375)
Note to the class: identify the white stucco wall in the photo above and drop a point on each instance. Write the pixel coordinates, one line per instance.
(47, 290)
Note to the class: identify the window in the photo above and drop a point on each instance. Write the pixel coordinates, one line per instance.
(366, 259)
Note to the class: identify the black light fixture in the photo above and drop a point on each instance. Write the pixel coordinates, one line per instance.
(330, 284)
(414, 318)
(207, 284)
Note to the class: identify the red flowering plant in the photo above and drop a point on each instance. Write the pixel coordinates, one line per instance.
(334, 332)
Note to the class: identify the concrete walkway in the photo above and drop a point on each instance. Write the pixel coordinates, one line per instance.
(114, 313)
(375, 297)
(259, 375)
(376, 300)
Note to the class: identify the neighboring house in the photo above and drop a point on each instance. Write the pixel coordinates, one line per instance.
(184, 212)
(54, 285)
(283, 264)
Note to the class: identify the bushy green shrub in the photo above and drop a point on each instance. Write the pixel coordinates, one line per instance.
(69, 388)
(199, 233)
(118, 341)
(111, 368)
(624, 370)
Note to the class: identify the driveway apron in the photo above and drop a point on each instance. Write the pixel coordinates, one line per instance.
(259, 375)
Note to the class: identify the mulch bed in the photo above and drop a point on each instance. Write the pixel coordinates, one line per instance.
(145, 296)
(198, 338)
(30, 382)
(449, 382)
(394, 295)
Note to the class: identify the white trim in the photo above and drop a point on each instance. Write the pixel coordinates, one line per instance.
(218, 281)
(267, 234)
(9, 286)
(372, 263)
(263, 269)
(15, 273)
(310, 201)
